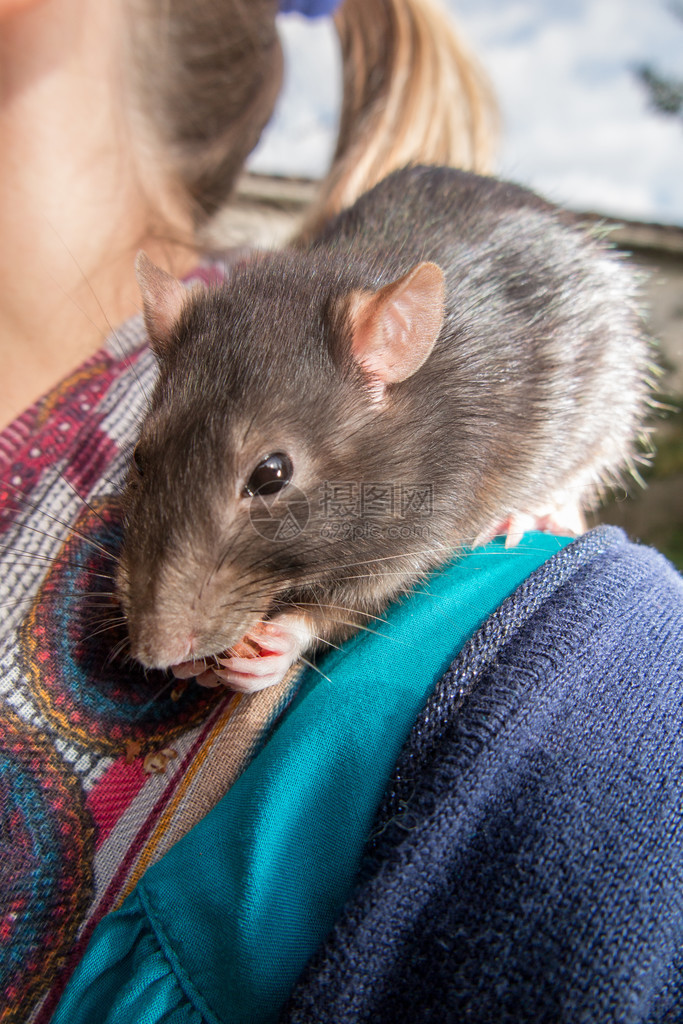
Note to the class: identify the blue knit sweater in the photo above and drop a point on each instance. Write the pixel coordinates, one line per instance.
(527, 864)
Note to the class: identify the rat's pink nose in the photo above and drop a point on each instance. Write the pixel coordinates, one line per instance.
(162, 650)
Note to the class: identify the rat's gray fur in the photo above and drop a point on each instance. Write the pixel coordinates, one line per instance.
(535, 393)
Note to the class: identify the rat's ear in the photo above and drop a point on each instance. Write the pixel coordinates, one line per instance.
(394, 329)
(162, 300)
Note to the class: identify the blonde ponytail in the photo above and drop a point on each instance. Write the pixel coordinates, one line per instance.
(205, 74)
(413, 93)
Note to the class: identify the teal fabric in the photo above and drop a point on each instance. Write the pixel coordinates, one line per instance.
(221, 927)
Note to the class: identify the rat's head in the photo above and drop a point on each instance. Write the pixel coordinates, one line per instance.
(269, 387)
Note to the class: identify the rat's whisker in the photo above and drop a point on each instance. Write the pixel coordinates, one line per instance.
(35, 557)
(86, 540)
(366, 629)
(18, 602)
(117, 649)
(217, 568)
(322, 640)
(80, 497)
(340, 607)
(87, 611)
(97, 632)
(315, 668)
(112, 330)
(167, 686)
(253, 583)
(392, 558)
(96, 626)
(89, 617)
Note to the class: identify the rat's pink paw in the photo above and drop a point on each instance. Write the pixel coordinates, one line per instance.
(265, 655)
(566, 520)
(262, 658)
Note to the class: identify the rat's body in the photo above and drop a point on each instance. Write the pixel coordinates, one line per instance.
(449, 336)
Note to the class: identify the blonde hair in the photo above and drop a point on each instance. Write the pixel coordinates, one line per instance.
(205, 75)
(414, 92)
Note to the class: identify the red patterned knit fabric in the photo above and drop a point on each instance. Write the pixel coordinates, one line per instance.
(82, 812)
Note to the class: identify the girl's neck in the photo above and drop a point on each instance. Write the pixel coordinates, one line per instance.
(74, 207)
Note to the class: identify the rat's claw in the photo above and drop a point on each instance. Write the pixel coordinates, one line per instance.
(275, 646)
(513, 529)
(285, 634)
(565, 520)
(250, 674)
(261, 658)
(517, 525)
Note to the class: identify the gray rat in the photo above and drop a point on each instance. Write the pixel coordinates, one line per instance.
(449, 359)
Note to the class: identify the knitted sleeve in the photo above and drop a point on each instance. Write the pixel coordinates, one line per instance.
(527, 861)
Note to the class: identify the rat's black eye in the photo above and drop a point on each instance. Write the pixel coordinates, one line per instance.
(271, 475)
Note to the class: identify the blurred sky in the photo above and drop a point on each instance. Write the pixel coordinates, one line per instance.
(577, 126)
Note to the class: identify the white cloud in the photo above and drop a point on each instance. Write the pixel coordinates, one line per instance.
(300, 139)
(577, 125)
